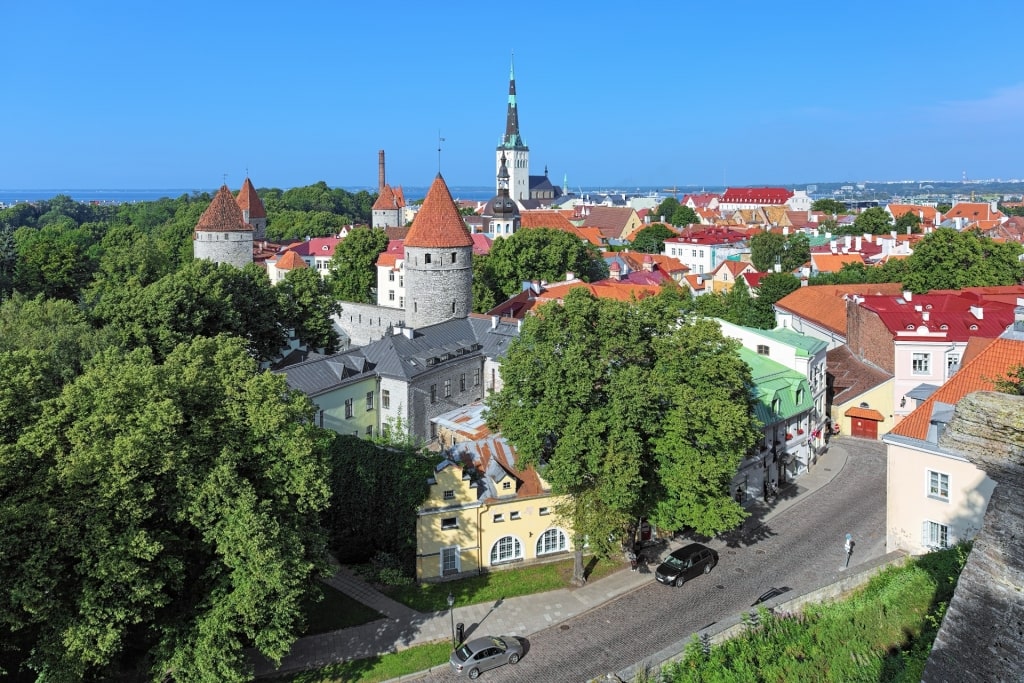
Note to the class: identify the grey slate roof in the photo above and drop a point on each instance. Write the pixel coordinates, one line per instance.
(319, 375)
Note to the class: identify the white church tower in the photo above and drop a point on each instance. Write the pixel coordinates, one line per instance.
(515, 152)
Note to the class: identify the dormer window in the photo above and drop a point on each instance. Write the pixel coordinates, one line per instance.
(974, 327)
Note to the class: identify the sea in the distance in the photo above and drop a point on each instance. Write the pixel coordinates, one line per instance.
(470, 193)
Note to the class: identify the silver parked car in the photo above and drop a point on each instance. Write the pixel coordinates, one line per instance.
(480, 654)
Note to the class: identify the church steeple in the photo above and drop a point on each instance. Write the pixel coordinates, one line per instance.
(512, 149)
(512, 138)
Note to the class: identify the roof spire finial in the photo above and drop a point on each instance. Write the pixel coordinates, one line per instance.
(224, 179)
(439, 141)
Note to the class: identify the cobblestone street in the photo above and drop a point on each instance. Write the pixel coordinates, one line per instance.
(797, 548)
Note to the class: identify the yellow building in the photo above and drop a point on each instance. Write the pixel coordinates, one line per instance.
(483, 511)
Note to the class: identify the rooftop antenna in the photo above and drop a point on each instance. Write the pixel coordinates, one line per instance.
(439, 141)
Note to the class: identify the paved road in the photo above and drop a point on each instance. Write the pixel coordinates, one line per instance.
(797, 548)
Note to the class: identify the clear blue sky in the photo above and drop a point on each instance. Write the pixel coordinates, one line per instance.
(177, 94)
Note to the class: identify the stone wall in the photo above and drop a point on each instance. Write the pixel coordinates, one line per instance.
(868, 337)
(982, 636)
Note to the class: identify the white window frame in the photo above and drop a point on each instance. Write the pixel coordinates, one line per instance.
(452, 523)
(935, 534)
(450, 553)
(937, 485)
(506, 549)
(921, 363)
(546, 547)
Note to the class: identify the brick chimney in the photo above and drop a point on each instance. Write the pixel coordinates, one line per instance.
(380, 171)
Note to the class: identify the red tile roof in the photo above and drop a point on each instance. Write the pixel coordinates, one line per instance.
(710, 235)
(290, 261)
(249, 200)
(544, 218)
(824, 305)
(950, 315)
(977, 375)
(223, 214)
(833, 263)
(762, 196)
(438, 223)
(386, 200)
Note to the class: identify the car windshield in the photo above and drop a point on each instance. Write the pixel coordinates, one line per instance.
(463, 653)
(674, 562)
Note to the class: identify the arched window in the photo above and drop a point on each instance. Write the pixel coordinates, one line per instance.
(551, 541)
(507, 548)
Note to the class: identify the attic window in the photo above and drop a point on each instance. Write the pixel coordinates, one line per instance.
(910, 326)
(506, 485)
(974, 327)
(928, 306)
(943, 327)
(449, 494)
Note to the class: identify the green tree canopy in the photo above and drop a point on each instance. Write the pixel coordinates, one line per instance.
(908, 223)
(651, 240)
(629, 414)
(540, 254)
(158, 518)
(949, 259)
(666, 209)
(353, 268)
(306, 306)
(829, 206)
(874, 220)
(684, 215)
(791, 252)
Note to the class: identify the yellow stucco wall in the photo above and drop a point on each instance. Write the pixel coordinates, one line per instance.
(478, 527)
(879, 398)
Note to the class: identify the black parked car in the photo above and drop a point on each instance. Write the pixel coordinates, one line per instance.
(686, 563)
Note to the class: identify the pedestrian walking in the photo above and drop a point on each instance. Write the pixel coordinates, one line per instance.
(631, 556)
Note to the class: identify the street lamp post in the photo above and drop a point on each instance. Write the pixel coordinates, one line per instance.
(451, 611)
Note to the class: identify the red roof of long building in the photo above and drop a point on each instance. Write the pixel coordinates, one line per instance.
(438, 223)
(954, 315)
(762, 196)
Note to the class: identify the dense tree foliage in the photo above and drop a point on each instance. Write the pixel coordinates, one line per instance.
(948, 259)
(629, 414)
(675, 213)
(160, 516)
(829, 206)
(908, 223)
(874, 221)
(536, 254)
(376, 489)
(353, 268)
(651, 240)
(305, 305)
(790, 252)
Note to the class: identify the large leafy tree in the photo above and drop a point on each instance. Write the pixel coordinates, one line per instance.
(651, 240)
(593, 396)
(353, 271)
(306, 305)
(874, 220)
(541, 254)
(201, 299)
(159, 517)
(908, 223)
(830, 206)
(684, 215)
(769, 248)
(376, 488)
(949, 259)
(54, 260)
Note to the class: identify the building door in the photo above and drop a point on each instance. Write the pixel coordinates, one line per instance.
(863, 428)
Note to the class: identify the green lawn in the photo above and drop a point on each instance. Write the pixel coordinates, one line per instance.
(494, 586)
(376, 669)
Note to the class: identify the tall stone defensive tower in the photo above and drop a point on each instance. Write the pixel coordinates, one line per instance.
(222, 235)
(438, 261)
(512, 147)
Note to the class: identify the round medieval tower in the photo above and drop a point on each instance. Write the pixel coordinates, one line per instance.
(222, 235)
(438, 261)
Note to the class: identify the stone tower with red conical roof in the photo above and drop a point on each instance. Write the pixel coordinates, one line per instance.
(387, 210)
(222, 235)
(438, 261)
(253, 212)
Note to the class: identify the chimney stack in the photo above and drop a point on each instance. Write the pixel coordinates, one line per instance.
(380, 171)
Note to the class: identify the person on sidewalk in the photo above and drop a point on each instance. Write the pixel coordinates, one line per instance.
(631, 556)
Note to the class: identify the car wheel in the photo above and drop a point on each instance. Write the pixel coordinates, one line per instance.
(474, 673)
(679, 581)
(707, 568)
(513, 658)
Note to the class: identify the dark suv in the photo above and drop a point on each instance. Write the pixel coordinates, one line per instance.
(686, 563)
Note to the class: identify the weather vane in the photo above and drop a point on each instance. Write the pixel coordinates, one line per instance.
(439, 141)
